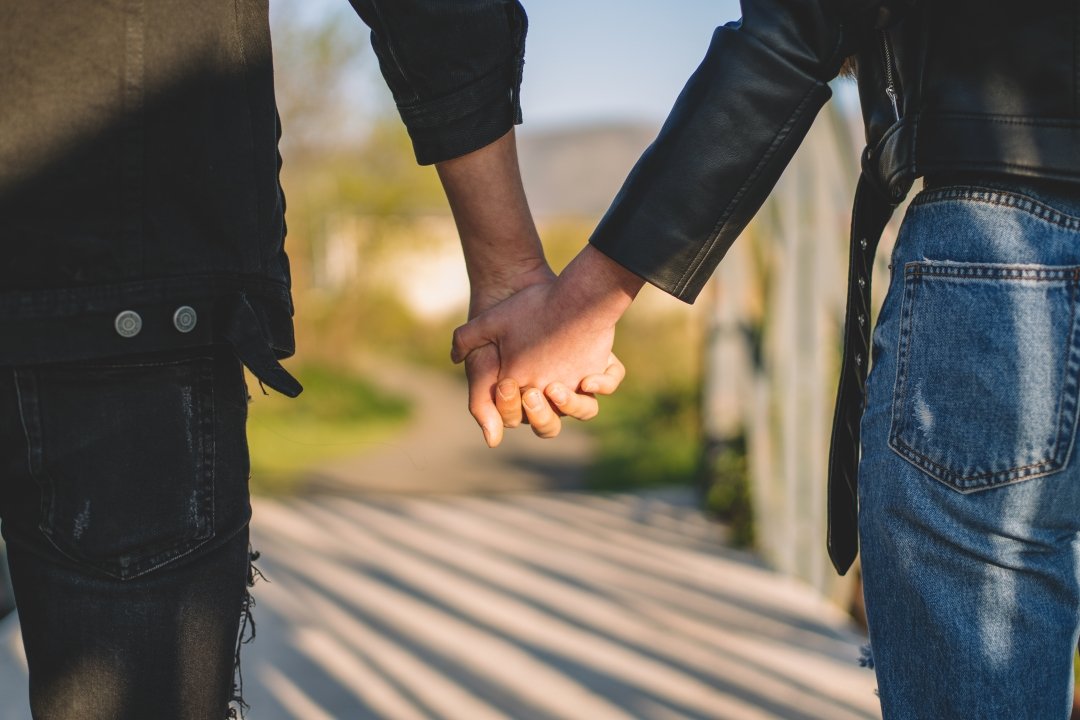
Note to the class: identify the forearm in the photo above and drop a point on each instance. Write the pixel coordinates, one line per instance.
(502, 249)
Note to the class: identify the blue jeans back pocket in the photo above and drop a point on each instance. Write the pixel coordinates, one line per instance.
(124, 457)
(987, 371)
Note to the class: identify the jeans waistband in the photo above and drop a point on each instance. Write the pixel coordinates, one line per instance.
(1061, 195)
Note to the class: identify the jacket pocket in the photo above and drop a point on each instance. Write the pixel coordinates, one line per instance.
(986, 383)
(124, 457)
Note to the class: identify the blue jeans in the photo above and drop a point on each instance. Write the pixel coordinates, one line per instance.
(970, 480)
(124, 501)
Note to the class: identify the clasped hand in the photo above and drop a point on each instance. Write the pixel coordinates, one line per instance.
(543, 352)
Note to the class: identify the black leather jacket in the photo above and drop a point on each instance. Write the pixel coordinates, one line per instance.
(139, 164)
(975, 86)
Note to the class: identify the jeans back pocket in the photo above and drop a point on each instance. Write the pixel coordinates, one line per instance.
(124, 457)
(987, 371)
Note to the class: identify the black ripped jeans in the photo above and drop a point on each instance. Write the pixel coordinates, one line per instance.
(124, 504)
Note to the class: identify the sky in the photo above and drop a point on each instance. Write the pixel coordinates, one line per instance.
(601, 60)
(591, 61)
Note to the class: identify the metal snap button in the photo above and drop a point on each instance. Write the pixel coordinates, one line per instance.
(185, 318)
(128, 324)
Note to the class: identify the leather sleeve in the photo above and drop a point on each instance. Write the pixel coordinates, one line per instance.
(454, 69)
(732, 131)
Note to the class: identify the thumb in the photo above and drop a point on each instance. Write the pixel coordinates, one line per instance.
(474, 334)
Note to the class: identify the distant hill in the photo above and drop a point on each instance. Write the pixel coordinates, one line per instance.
(577, 171)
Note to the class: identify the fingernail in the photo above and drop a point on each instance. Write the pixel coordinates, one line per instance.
(532, 400)
(588, 387)
(558, 394)
(507, 389)
(488, 434)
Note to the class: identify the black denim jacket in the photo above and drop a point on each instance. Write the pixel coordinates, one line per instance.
(139, 164)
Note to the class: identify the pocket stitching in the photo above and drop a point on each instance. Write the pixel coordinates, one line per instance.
(1001, 198)
(178, 547)
(1065, 423)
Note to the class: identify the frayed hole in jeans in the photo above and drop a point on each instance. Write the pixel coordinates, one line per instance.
(866, 656)
(237, 705)
(866, 660)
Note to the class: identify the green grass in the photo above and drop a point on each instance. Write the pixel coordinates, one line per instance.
(337, 415)
(646, 439)
(728, 497)
(651, 439)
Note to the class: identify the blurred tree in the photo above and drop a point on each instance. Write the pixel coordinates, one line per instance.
(321, 63)
(353, 189)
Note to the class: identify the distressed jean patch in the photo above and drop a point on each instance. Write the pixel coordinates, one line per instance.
(123, 455)
(987, 371)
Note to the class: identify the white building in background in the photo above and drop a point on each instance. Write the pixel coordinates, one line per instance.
(417, 259)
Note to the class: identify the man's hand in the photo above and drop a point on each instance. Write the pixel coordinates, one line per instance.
(549, 339)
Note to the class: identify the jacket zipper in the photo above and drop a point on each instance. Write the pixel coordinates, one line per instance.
(890, 73)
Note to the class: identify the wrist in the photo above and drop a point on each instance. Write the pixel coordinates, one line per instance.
(496, 282)
(596, 281)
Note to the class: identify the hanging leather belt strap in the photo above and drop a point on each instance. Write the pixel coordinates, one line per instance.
(870, 215)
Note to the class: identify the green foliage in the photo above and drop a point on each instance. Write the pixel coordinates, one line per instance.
(725, 477)
(648, 433)
(376, 177)
(381, 184)
(338, 414)
(320, 60)
(383, 179)
(331, 395)
(645, 439)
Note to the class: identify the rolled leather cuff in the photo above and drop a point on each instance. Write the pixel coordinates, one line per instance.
(732, 131)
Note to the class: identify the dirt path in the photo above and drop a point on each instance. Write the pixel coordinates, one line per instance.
(443, 451)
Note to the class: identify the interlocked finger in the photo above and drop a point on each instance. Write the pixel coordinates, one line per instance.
(508, 402)
(580, 406)
(544, 420)
(606, 382)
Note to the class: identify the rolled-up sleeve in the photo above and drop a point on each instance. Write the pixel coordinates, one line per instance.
(453, 66)
(729, 136)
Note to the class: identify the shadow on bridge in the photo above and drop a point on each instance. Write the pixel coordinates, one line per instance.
(545, 606)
